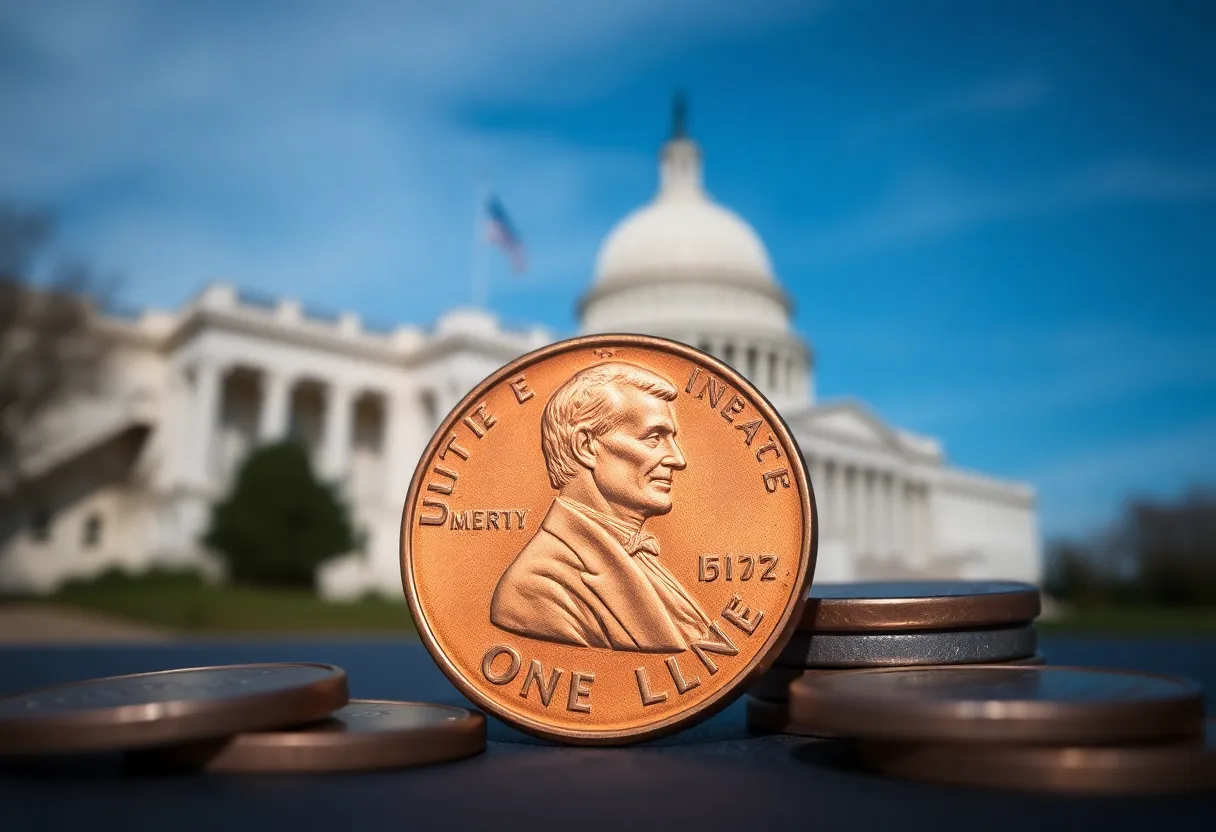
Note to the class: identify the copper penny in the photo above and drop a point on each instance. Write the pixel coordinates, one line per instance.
(918, 605)
(366, 734)
(146, 709)
(775, 684)
(608, 539)
(1167, 768)
(995, 703)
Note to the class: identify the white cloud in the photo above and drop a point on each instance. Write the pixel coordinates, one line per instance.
(320, 148)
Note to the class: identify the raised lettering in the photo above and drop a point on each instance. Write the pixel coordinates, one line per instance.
(424, 520)
(460, 520)
(648, 698)
(733, 408)
(737, 614)
(749, 430)
(723, 647)
(454, 448)
(492, 520)
(443, 487)
(716, 390)
(479, 519)
(770, 446)
(682, 686)
(479, 421)
(771, 478)
(696, 373)
(772, 561)
(519, 386)
(536, 674)
(577, 692)
(520, 515)
(487, 664)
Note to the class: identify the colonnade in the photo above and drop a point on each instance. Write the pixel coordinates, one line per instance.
(773, 369)
(877, 511)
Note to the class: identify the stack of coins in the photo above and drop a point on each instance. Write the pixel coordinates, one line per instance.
(295, 717)
(897, 624)
(1064, 729)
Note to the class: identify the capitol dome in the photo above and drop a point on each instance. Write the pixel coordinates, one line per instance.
(682, 233)
(685, 268)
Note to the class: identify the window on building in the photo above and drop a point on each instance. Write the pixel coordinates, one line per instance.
(40, 525)
(92, 531)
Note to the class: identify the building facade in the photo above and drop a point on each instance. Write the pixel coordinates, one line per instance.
(127, 479)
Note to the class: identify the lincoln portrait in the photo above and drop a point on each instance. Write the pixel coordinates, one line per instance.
(592, 575)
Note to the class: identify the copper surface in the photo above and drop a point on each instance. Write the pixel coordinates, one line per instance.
(773, 717)
(774, 685)
(994, 703)
(1166, 768)
(366, 734)
(532, 585)
(146, 709)
(918, 605)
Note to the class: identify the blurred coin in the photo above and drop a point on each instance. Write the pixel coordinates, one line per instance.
(991, 703)
(774, 685)
(903, 649)
(366, 734)
(1168, 768)
(773, 716)
(918, 605)
(607, 538)
(145, 709)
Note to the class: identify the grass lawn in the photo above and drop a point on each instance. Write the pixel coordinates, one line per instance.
(1134, 620)
(187, 604)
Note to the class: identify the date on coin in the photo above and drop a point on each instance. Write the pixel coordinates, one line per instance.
(607, 539)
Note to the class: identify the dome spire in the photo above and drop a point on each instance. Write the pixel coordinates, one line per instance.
(679, 115)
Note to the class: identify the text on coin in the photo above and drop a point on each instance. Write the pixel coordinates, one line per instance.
(736, 567)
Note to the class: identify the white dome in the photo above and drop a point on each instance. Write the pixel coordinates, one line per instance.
(682, 233)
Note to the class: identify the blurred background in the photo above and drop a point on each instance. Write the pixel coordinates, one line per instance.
(252, 254)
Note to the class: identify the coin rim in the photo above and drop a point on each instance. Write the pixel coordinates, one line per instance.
(304, 749)
(136, 725)
(1021, 602)
(1140, 769)
(1018, 641)
(1023, 721)
(763, 659)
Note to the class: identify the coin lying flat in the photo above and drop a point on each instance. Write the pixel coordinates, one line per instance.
(991, 703)
(1168, 768)
(903, 649)
(606, 537)
(145, 709)
(774, 685)
(366, 734)
(918, 605)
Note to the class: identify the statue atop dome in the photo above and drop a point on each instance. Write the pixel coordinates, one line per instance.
(679, 116)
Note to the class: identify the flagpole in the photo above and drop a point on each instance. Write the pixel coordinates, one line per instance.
(480, 278)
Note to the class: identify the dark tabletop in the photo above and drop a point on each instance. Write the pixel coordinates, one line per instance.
(718, 775)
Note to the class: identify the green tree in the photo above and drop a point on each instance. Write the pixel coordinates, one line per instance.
(280, 522)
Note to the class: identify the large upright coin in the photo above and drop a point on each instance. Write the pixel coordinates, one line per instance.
(608, 539)
(146, 709)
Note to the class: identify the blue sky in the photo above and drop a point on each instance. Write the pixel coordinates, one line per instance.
(998, 221)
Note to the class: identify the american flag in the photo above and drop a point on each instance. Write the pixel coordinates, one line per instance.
(501, 232)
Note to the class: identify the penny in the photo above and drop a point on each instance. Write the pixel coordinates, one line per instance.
(774, 685)
(918, 605)
(992, 703)
(608, 539)
(366, 734)
(145, 709)
(903, 649)
(1167, 768)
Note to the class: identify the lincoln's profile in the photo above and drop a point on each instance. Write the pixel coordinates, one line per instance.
(592, 575)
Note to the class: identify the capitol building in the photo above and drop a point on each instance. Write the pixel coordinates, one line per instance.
(127, 479)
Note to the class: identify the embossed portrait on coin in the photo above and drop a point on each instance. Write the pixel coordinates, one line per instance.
(592, 575)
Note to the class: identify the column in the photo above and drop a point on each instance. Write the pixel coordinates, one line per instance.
(928, 545)
(407, 429)
(893, 542)
(204, 408)
(853, 511)
(276, 404)
(335, 445)
(914, 524)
